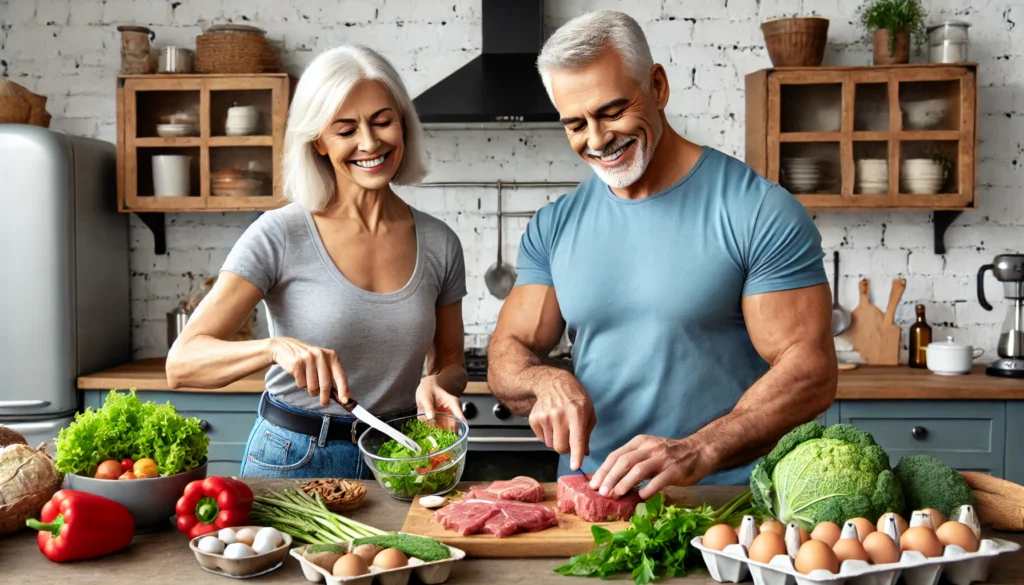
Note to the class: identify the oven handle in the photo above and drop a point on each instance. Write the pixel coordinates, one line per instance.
(473, 439)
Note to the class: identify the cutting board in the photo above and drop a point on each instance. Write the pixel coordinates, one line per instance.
(874, 334)
(571, 537)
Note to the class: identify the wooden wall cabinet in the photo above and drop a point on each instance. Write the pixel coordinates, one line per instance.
(840, 137)
(143, 102)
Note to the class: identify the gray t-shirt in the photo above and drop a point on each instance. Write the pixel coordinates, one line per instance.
(381, 339)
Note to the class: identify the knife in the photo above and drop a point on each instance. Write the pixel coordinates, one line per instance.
(364, 415)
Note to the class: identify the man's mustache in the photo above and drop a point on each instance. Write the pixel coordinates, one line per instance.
(613, 146)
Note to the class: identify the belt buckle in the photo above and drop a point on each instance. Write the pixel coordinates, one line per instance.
(354, 433)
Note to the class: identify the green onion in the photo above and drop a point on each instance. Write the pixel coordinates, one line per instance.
(307, 518)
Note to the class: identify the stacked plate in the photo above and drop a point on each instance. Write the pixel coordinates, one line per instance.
(872, 175)
(922, 176)
(177, 130)
(802, 174)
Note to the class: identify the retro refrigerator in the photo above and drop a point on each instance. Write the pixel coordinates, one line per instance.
(64, 276)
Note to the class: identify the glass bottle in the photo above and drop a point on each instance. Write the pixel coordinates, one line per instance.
(920, 337)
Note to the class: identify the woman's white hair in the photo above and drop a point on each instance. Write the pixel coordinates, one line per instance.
(580, 41)
(324, 85)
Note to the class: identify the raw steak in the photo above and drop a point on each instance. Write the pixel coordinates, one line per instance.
(500, 518)
(522, 489)
(576, 497)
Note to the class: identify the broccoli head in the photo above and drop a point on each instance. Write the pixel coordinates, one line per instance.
(929, 483)
(817, 473)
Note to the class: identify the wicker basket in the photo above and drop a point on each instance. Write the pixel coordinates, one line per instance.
(796, 42)
(339, 495)
(234, 49)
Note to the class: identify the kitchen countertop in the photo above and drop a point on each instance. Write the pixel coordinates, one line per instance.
(863, 383)
(164, 557)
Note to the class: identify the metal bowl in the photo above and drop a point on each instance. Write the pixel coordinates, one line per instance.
(405, 485)
(151, 501)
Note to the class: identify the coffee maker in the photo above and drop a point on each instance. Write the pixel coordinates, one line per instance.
(1009, 269)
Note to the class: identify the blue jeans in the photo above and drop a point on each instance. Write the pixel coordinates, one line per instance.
(272, 451)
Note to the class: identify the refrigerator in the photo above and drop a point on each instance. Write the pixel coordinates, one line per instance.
(64, 275)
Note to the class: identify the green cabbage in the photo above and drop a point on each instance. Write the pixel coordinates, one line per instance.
(816, 474)
(126, 427)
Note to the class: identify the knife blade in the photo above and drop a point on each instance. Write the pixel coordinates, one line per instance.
(364, 415)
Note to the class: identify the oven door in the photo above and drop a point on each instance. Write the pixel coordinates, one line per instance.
(506, 452)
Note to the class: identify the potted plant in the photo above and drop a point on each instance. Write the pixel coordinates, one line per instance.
(893, 22)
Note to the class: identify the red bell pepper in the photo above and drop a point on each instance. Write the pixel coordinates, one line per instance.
(76, 526)
(207, 505)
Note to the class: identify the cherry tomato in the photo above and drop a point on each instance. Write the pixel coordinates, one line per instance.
(126, 464)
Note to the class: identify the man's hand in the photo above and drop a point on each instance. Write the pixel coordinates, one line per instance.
(563, 417)
(664, 461)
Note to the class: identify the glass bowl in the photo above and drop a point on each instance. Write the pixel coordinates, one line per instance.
(404, 478)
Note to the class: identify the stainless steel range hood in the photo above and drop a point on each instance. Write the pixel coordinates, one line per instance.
(501, 85)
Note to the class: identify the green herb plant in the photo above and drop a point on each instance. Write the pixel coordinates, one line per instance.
(422, 475)
(126, 427)
(894, 16)
(657, 542)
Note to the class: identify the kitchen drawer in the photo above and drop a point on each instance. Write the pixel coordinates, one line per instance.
(966, 435)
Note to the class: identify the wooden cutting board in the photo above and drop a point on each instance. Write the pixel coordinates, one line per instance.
(571, 537)
(874, 334)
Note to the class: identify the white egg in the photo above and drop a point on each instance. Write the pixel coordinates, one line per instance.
(238, 551)
(273, 534)
(262, 546)
(227, 536)
(210, 544)
(246, 536)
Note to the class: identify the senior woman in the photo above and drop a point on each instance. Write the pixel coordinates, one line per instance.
(361, 289)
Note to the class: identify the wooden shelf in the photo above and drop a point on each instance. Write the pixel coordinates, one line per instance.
(223, 141)
(160, 142)
(810, 137)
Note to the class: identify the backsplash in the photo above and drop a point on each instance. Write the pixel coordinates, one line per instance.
(68, 50)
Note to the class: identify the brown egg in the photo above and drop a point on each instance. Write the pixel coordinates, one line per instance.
(850, 548)
(938, 518)
(952, 532)
(390, 558)
(923, 540)
(766, 546)
(804, 536)
(815, 554)
(864, 527)
(720, 536)
(881, 548)
(901, 524)
(774, 526)
(827, 532)
(350, 565)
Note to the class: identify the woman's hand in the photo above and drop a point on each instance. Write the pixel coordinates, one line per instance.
(316, 369)
(432, 398)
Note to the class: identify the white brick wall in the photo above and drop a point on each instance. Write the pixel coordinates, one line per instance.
(68, 50)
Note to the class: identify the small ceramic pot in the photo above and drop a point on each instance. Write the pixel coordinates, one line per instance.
(948, 358)
(901, 48)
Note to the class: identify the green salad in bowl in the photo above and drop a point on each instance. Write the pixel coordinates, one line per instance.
(403, 473)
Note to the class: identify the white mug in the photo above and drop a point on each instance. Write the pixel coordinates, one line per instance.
(171, 175)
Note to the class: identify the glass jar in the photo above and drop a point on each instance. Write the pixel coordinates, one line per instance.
(948, 42)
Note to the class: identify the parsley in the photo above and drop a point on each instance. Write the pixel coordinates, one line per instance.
(657, 542)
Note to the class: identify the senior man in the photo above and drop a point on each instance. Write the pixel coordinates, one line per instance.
(693, 288)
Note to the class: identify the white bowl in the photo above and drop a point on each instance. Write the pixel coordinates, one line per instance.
(925, 114)
(176, 130)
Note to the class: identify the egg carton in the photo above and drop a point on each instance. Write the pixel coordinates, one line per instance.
(731, 565)
(431, 573)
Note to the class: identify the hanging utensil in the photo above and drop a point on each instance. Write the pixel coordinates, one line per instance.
(840, 316)
(364, 415)
(501, 277)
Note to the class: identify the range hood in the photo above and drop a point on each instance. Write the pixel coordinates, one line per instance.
(502, 84)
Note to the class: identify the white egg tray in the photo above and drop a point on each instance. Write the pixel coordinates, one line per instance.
(430, 573)
(959, 567)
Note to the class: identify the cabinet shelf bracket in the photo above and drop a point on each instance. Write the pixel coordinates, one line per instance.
(941, 221)
(155, 222)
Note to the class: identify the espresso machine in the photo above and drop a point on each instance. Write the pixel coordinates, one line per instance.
(1008, 269)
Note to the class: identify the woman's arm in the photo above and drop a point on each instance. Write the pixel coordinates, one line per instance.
(446, 365)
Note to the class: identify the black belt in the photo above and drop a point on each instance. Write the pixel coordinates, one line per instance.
(336, 429)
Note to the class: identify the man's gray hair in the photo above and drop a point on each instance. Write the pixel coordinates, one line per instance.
(580, 41)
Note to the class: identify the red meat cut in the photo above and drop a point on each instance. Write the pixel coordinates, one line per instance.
(522, 489)
(500, 518)
(576, 497)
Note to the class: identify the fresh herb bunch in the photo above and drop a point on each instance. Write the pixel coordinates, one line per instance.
(126, 427)
(657, 542)
(421, 547)
(894, 16)
(423, 475)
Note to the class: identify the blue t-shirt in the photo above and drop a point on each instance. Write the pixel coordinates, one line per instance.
(651, 291)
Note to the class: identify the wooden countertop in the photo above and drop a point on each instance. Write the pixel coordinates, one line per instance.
(863, 383)
(164, 557)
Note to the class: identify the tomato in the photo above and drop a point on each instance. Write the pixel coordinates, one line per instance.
(109, 469)
(145, 468)
(128, 475)
(127, 464)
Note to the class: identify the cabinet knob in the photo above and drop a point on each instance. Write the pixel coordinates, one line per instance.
(203, 425)
(468, 410)
(501, 411)
(919, 432)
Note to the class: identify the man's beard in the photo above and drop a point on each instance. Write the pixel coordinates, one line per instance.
(628, 172)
